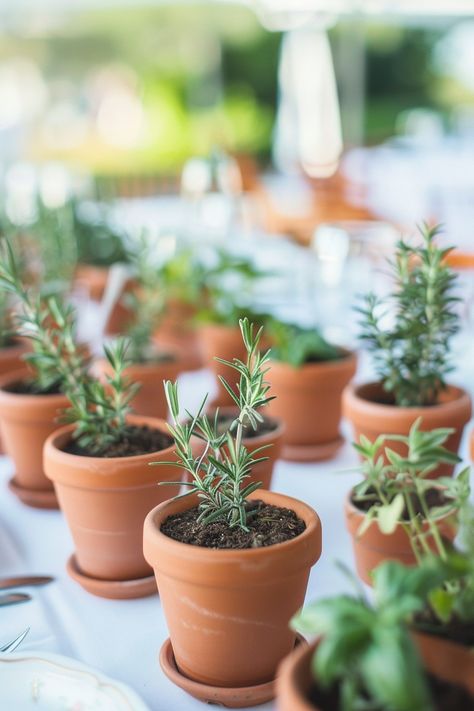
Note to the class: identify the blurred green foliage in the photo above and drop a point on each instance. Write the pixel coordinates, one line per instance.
(206, 74)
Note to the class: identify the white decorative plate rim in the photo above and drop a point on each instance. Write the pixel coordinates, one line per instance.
(68, 664)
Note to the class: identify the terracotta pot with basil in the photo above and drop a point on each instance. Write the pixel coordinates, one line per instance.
(307, 376)
(412, 357)
(231, 560)
(367, 653)
(398, 512)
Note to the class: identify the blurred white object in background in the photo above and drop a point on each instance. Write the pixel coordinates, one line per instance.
(308, 128)
(213, 187)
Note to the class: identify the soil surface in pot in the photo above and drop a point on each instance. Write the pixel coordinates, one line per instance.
(134, 441)
(446, 697)
(267, 526)
(434, 498)
(456, 630)
(28, 387)
(268, 425)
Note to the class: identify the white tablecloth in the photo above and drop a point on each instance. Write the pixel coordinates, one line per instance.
(122, 638)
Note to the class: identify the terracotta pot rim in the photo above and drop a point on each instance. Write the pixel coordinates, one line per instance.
(16, 346)
(153, 532)
(18, 376)
(350, 358)
(260, 439)
(350, 507)
(68, 458)
(288, 686)
(355, 401)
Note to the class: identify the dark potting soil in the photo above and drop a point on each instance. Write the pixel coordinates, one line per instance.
(266, 427)
(268, 525)
(134, 441)
(457, 630)
(28, 387)
(434, 498)
(445, 696)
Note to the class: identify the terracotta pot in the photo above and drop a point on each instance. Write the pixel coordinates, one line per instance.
(222, 342)
(272, 440)
(447, 660)
(105, 501)
(93, 279)
(178, 333)
(11, 359)
(373, 547)
(308, 400)
(295, 677)
(150, 400)
(25, 422)
(228, 610)
(370, 418)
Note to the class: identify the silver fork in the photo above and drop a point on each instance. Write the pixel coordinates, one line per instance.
(11, 646)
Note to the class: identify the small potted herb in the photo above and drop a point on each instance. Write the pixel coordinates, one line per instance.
(98, 464)
(307, 375)
(444, 626)
(397, 512)
(149, 365)
(32, 397)
(231, 561)
(412, 357)
(228, 284)
(366, 657)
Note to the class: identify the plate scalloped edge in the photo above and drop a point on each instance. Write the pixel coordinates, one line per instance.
(77, 672)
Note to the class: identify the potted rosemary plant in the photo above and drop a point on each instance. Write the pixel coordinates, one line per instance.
(307, 375)
(397, 512)
(98, 464)
(149, 365)
(366, 657)
(231, 561)
(412, 356)
(32, 396)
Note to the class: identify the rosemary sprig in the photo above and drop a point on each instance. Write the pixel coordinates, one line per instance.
(220, 471)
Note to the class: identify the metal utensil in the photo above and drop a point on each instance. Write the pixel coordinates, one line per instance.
(25, 581)
(11, 646)
(13, 599)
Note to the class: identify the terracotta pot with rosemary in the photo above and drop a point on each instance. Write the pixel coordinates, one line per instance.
(268, 434)
(231, 561)
(398, 512)
(366, 656)
(149, 365)
(32, 397)
(307, 375)
(412, 357)
(98, 464)
(12, 349)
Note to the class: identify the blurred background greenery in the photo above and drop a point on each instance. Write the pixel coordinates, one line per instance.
(143, 88)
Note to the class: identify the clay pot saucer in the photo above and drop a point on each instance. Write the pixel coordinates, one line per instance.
(232, 698)
(37, 498)
(112, 589)
(311, 452)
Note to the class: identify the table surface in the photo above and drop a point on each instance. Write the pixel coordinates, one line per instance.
(122, 638)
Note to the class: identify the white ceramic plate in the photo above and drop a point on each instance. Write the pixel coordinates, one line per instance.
(50, 682)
